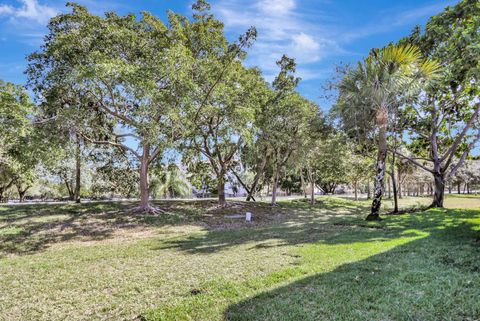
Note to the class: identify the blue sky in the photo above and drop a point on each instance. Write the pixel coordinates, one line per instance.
(318, 33)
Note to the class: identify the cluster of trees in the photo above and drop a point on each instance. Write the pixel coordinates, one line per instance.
(141, 107)
(141, 91)
(424, 88)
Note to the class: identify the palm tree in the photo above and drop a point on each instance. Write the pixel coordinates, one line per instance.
(171, 182)
(388, 78)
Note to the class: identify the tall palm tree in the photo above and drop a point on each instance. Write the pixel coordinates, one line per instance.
(385, 80)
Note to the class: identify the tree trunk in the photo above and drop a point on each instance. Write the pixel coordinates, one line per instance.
(274, 187)
(249, 193)
(256, 179)
(21, 196)
(221, 189)
(389, 189)
(382, 115)
(302, 182)
(3, 189)
(76, 195)
(369, 194)
(355, 190)
(312, 192)
(458, 188)
(395, 192)
(21, 192)
(438, 195)
(70, 191)
(144, 192)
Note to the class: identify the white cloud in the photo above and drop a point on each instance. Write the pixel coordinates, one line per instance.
(30, 10)
(278, 7)
(305, 47)
(5, 9)
(282, 29)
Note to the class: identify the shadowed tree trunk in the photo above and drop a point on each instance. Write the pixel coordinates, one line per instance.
(221, 189)
(369, 194)
(394, 185)
(274, 186)
(381, 119)
(144, 192)
(256, 179)
(312, 186)
(399, 178)
(438, 197)
(389, 188)
(69, 187)
(249, 192)
(76, 195)
(3, 189)
(395, 194)
(304, 186)
(22, 192)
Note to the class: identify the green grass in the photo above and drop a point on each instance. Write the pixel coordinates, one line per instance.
(296, 262)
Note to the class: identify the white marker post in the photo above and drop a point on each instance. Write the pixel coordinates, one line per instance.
(248, 217)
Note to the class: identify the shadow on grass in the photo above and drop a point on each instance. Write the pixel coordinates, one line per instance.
(30, 228)
(436, 277)
(424, 266)
(329, 220)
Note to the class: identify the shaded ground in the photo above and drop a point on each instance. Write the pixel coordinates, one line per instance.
(295, 261)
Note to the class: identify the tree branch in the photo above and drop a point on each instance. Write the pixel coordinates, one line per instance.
(413, 160)
(107, 142)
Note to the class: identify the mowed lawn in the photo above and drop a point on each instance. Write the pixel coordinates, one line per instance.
(99, 261)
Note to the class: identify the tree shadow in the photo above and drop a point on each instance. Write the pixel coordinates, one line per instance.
(26, 229)
(335, 223)
(435, 277)
(29, 228)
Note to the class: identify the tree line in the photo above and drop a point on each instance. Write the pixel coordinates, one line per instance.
(152, 108)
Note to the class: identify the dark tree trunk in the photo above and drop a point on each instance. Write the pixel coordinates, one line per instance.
(249, 193)
(312, 192)
(274, 187)
(369, 194)
(221, 189)
(394, 185)
(21, 192)
(77, 172)
(21, 196)
(389, 189)
(256, 179)
(380, 168)
(438, 196)
(144, 192)
(304, 187)
(3, 189)
(70, 190)
(395, 192)
(355, 190)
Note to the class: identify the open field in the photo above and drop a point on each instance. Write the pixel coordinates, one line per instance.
(99, 261)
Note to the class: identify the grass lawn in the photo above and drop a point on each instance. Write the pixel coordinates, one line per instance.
(99, 261)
